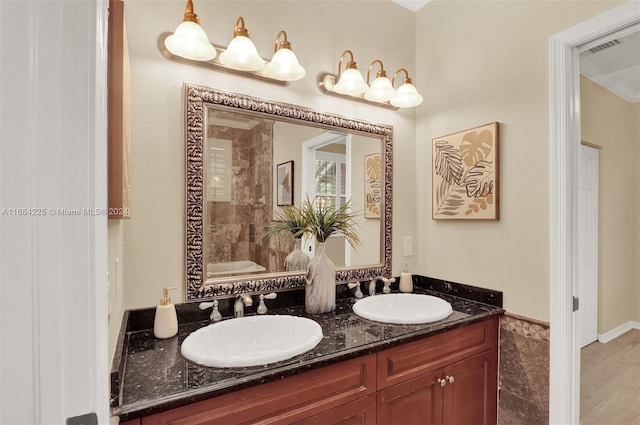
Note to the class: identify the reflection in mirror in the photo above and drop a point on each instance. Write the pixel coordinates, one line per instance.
(249, 158)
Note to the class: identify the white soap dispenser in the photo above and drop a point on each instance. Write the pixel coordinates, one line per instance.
(406, 281)
(165, 324)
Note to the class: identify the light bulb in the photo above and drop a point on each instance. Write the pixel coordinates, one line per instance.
(351, 83)
(284, 66)
(242, 54)
(381, 90)
(406, 96)
(190, 41)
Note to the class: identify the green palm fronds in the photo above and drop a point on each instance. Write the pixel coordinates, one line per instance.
(323, 222)
(288, 219)
(319, 221)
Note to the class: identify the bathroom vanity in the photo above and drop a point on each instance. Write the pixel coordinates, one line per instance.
(361, 372)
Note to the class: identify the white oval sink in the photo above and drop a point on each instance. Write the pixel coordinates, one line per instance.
(405, 309)
(251, 341)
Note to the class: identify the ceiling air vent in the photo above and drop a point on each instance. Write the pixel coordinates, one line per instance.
(604, 46)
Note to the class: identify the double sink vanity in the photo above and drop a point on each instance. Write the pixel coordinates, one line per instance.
(421, 358)
(361, 371)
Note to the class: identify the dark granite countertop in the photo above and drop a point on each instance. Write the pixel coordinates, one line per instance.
(152, 376)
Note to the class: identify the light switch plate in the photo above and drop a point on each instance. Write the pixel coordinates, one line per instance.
(407, 246)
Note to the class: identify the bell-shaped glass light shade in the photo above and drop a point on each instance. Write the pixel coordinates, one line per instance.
(284, 66)
(242, 54)
(406, 96)
(190, 42)
(351, 83)
(381, 90)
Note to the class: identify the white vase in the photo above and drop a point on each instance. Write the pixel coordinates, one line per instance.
(296, 259)
(320, 288)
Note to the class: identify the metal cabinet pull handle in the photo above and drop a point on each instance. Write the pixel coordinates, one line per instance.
(450, 379)
(442, 382)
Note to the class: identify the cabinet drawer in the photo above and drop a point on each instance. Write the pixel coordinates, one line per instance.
(284, 401)
(359, 412)
(410, 360)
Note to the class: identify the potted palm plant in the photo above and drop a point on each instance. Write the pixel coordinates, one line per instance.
(321, 223)
(289, 219)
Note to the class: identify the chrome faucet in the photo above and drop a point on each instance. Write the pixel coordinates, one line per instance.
(242, 300)
(385, 281)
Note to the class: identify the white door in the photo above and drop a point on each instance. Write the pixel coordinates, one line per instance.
(53, 256)
(588, 246)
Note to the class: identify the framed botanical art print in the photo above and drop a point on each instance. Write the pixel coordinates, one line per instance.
(465, 174)
(284, 175)
(372, 185)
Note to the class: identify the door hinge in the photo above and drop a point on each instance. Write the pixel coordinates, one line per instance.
(576, 303)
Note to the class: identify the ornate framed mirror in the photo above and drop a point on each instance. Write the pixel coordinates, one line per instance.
(247, 157)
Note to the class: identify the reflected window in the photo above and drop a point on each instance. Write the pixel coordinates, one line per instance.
(331, 179)
(219, 172)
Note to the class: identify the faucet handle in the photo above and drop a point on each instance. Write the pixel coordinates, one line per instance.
(357, 293)
(205, 305)
(215, 313)
(262, 308)
(387, 285)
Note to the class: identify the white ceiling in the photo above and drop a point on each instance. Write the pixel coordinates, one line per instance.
(413, 5)
(614, 63)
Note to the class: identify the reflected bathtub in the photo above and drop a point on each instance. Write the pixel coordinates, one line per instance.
(233, 267)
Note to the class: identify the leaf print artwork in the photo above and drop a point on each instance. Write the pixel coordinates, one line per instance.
(448, 163)
(479, 180)
(479, 204)
(476, 147)
(372, 185)
(465, 174)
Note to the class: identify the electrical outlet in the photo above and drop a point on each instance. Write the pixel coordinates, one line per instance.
(407, 246)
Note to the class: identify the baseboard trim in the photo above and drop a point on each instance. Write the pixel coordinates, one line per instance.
(617, 331)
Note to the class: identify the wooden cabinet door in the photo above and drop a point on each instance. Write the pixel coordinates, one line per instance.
(359, 412)
(472, 397)
(280, 402)
(416, 401)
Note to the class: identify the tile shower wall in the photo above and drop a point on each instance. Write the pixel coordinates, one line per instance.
(524, 371)
(238, 226)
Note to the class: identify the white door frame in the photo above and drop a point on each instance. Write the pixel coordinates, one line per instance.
(564, 128)
(308, 186)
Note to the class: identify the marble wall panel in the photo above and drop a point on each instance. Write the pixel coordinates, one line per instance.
(238, 228)
(523, 371)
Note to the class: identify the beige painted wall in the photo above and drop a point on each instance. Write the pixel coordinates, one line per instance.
(475, 62)
(153, 247)
(479, 62)
(611, 124)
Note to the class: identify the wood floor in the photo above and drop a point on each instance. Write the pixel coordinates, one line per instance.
(610, 381)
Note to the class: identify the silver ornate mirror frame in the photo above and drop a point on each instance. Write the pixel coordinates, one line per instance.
(196, 100)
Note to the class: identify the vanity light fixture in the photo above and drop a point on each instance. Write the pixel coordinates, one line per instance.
(406, 96)
(381, 89)
(189, 40)
(350, 85)
(242, 53)
(189, 44)
(284, 65)
(350, 82)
